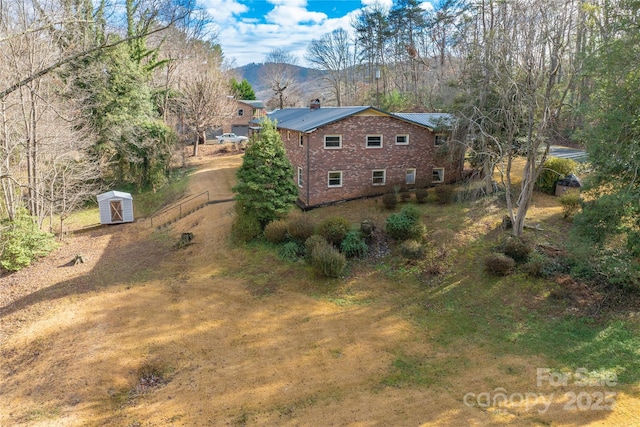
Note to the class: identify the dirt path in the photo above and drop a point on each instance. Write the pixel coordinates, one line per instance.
(145, 334)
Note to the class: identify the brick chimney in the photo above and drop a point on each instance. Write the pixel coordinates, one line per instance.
(315, 104)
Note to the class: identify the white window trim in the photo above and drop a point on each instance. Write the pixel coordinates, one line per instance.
(442, 175)
(333, 148)
(384, 177)
(301, 140)
(329, 179)
(406, 137)
(414, 176)
(240, 112)
(435, 139)
(300, 177)
(366, 140)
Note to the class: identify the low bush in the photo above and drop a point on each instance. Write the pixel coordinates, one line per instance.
(412, 249)
(327, 260)
(353, 245)
(498, 264)
(445, 194)
(554, 169)
(517, 249)
(291, 251)
(390, 201)
(571, 203)
(276, 231)
(311, 243)
(245, 228)
(300, 227)
(405, 196)
(398, 226)
(406, 224)
(21, 242)
(422, 195)
(334, 229)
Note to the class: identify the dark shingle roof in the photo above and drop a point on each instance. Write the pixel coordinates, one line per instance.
(307, 119)
(430, 120)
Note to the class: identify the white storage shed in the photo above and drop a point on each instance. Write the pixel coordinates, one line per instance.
(115, 207)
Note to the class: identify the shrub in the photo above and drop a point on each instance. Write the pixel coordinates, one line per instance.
(405, 196)
(390, 201)
(422, 195)
(245, 228)
(276, 231)
(405, 224)
(353, 245)
(300, 227)
(571, 203)
(334, 229)
(398, 226)
(554, 169)
(498, 264)
(291, 251)
(412, 212)
(311, 243)
(445, 194)
(517, 249)
(23, 242)
(327, 260)
(412, 249)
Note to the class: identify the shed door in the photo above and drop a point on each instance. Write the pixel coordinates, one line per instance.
(116, 210)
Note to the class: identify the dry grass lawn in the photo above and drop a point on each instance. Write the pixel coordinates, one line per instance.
(144, 334)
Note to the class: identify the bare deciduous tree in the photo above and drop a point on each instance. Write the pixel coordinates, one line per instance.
(204, 91)
(280, 74)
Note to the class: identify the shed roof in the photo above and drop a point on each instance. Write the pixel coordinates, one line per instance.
(113, 194)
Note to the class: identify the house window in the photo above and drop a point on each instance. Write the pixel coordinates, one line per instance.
(332, 141)
(438, 175)
(378, 177)
(374, 141)
(300, 180)
(240, 112)
(402, 139)
(411, 176)
(335, 179)
(301, 139)
(440, 139)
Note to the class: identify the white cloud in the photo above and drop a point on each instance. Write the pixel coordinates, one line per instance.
(291, 15)
(223, 10)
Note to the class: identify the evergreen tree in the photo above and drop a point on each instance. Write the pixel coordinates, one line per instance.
(265, 186)
(242, 90)
(610, 220)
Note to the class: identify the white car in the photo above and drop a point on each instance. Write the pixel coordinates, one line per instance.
(231, 137)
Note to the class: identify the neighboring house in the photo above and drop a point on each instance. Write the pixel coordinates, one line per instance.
(246, 111)
(343, 153)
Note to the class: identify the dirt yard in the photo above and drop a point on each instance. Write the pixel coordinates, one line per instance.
(145, 334)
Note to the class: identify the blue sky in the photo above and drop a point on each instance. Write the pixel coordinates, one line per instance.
(249, 29)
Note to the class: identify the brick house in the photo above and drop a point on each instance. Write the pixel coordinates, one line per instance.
(246, 111)
(344, 153)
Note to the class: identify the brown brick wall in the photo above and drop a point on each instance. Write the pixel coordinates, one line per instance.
(357, 162)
